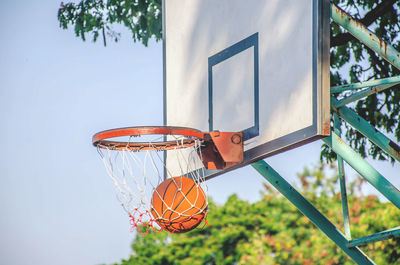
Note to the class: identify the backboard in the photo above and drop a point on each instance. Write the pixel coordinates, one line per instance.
(256, 66)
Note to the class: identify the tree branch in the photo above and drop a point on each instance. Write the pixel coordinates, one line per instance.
(380, 10)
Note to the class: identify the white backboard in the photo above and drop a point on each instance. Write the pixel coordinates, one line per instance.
(257, 66)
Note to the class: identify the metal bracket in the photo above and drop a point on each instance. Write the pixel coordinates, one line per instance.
(222, 149)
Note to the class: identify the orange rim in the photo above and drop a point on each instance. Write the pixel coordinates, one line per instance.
(101, 139)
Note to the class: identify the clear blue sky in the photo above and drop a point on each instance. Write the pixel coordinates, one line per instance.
(57, 203)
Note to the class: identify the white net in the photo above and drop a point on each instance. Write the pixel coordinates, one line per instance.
(137, 174)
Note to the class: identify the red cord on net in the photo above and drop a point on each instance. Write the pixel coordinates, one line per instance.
(138, 224)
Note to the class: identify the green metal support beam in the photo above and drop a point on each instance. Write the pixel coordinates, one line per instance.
(367, 130)
(342, 181)
(394, 232)
(363, 168)
(366, 36)
(344, 151)
(355, 86)
(310, 211)
(362, 94)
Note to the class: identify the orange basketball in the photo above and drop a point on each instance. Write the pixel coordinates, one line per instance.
(178, 204)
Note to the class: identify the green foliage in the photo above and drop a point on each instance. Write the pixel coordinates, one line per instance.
(141, 17)
(351, 61)
(273, 231)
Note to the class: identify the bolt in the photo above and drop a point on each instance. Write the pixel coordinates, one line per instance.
(236, 139)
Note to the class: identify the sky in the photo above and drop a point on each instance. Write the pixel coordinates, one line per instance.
(57, 203)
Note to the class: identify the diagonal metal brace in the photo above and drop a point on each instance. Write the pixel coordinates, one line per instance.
(342, 181)
(391, 233)
(362, 94)
(366, 36)
(359, 85)
(363, 168)
(310, 211)
(366, 129)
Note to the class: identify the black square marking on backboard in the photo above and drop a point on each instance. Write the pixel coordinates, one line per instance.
(249, 42)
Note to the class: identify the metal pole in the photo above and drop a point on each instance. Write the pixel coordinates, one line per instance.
(363, 168)
(355, 86)
(362, 94)
(342, 179)
(310, 211)
(394, 232)
(361, 125)
(366, 36)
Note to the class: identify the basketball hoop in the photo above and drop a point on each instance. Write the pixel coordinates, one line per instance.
(188, 136)
(165, 194)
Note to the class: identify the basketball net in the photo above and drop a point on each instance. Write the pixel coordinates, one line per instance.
(136, 175)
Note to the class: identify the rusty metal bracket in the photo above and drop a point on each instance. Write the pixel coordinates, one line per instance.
(222, 150)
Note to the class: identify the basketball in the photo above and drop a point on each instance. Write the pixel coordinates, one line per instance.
(178, 204)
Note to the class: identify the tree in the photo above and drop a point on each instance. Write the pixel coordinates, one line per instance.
(273, 231)
(95, 17)
(382, 109)
(143, 19)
